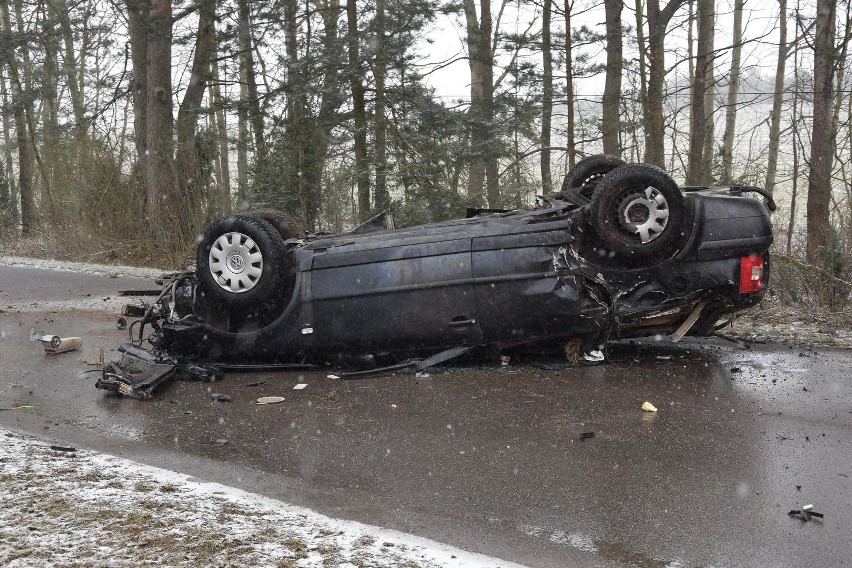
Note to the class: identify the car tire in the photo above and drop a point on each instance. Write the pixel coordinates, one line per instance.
(589, 171)
(287, 226)
(638, 211)
(242, 267)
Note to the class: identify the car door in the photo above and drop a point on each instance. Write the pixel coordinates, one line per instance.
(410, 291)
(523, 286)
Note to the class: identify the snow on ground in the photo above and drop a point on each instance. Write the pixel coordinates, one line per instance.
(82, 508)
(111, 303)
(85, 267)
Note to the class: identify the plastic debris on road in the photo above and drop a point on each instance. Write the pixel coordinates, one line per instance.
(300, 386)
(806, 513)
(648, 407)
(270, 400)
(54, 344)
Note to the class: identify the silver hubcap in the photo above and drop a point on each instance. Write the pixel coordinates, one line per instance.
(236, 262)
(645, 214)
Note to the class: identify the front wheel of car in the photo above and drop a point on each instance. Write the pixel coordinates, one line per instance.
(638, 211)
(242, 267)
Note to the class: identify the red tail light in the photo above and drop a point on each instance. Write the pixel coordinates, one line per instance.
(751, 274)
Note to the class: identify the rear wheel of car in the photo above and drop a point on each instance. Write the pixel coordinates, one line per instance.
(242, 267)
(638, 211)
(287, 226)
(589, 171)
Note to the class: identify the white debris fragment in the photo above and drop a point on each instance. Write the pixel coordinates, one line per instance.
(300, 386)
(648, 407)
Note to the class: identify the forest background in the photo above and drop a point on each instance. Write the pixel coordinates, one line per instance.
(127, 126)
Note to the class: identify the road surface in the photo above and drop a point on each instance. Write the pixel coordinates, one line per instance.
(487, 458)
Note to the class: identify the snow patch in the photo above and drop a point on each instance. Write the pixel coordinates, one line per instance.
(61, 506)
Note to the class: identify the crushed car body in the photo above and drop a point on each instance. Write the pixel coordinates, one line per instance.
(616, 254)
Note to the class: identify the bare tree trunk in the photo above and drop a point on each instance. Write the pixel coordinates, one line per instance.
(478, 136)
(483, 166)
(695, 172)
(50, 133)
(733, 94)
(643, 57)
(690, 40)
(296, 111)
(612, 86)
(222, 137)
(570, 142)
(547, 98)
(187, 165)
(382, 198)
(22, 134)
(137, 17)
(247, 75)
(819, 184)
(796, 144)
(71, 72)
(50, 95)
(161, 181)
(359, 111)
(658, 21)
(10, 212)
(709, 97)
(777, 98)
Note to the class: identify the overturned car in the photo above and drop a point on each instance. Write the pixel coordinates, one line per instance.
(622, 251)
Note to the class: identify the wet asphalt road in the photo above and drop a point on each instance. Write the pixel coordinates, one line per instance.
(486, 458)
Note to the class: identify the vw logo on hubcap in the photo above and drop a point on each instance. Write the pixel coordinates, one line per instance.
(236, 262)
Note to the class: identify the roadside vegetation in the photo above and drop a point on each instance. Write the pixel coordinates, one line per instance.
(128, 126)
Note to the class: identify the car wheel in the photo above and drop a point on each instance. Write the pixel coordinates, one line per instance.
(241, 265)
(288, 226)
(588, 172)
(639, 211)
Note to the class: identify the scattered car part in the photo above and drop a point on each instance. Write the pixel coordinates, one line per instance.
(594, 356)
(219, 397)
(98, 361)
(138, 293)
(54, 344)
(65, 449)
(270, 400)
(443, 357)
(121, 324)
(805, 513)
(133, 311)
(139, 371)
(648, 407)
(688, 323)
